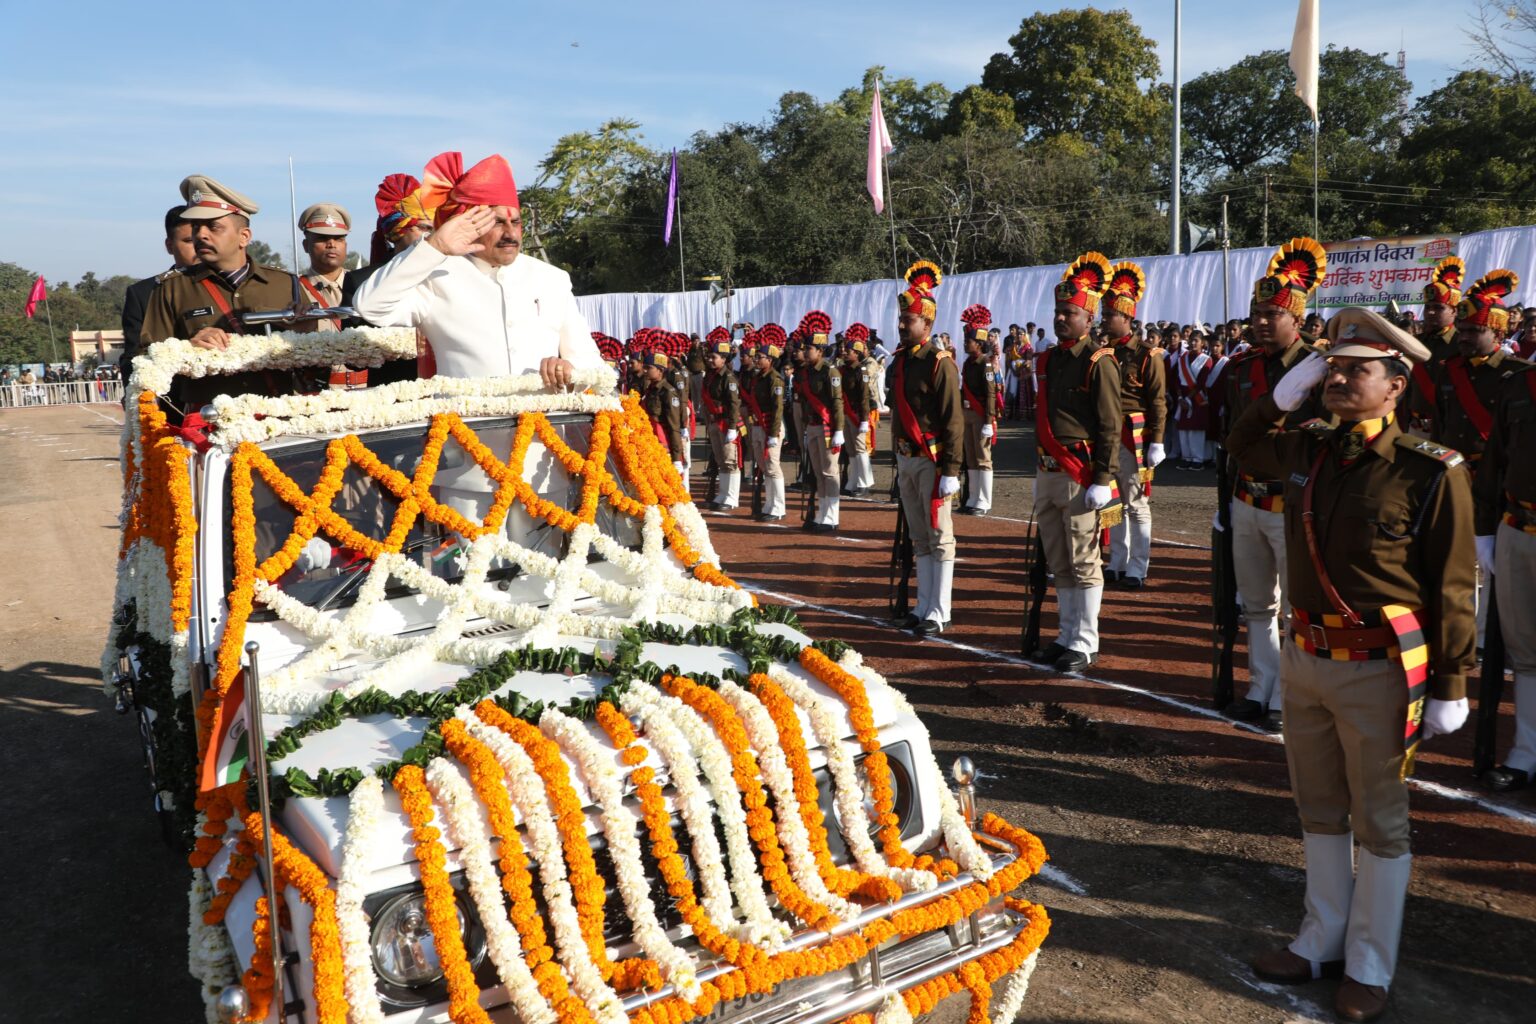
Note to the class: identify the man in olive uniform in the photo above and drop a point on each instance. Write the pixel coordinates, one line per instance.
(1258, 503)
(820, 388)
(1143, 404)
(1505, 500)
(1438, 335)
(325, 227)
(665, 407)
(1379, 525)
(859, 413)
(1077, 431)
(180, 246)
(928, 434)
(721, 398)
(979, 395)
(766, 405)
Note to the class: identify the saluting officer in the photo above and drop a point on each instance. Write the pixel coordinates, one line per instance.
(979, 392)
(1077, 429)
(927, 432)
(721, 398)
(859, 413)
(1258, 503)
(767, 426)
(666, 408)
(1144, 405)
(1379, 526)
(820, 388)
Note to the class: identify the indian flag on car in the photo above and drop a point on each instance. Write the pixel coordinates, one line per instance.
(229, 745)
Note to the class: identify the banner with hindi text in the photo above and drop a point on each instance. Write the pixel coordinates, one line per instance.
(1375, 271)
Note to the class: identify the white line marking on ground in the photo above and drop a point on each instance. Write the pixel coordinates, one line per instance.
(109, 419)
(1448, 792)
(1025, 522)
(1059, 878)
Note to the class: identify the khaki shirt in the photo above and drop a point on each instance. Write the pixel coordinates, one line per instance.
(857, 392)
(979, 381)
(1082, 399)
(667, 409)
(1143, 385)
(1507, 471)
(1394, 527)
(826, 385)
(1243, 390)
(181, 305)
(931, 388)
(722, 389)
(768, 392)
(1450, 425)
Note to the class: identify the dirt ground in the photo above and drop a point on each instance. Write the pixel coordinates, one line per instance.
(1174, 844)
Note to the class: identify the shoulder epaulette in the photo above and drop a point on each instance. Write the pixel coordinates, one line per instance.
(1097, 354)
(1438, 452)
(1247, 353)
(1316, 427)
(162, 278)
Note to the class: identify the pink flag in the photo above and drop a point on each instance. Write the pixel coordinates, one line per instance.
(879, 145)
(39, 293)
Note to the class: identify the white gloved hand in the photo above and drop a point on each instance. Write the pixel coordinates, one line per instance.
(316, 555)
(1155, 455)
(1216, 522)
(986, 430)
(1485, 553)
(1299, 381)
(1097, 496)
(731, 435)
(948, 485)
(1443, 717)
(679, 467)
(837, 439)
(773, 442)
(686, 438)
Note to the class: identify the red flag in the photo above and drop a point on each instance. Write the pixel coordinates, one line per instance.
(39, 294)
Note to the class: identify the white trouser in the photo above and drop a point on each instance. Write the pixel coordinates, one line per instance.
(1376, 918)
(923, 605)
(824, 465)
(1258, 555)
(1078, 617)
(1192, 444)
(1330, 888)
(980, 481)
(1130, 540)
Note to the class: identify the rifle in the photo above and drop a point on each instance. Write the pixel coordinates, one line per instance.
(1039, 582)
(712, 479)
(1224, 615)
(1490, 689)
(810, 484)
(901, 558)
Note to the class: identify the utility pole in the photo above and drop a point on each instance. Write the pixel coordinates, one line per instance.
(1265, 233)
(1178, 130)
(1226, 249)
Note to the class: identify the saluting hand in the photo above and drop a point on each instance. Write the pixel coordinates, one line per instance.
(460, 234)
(1299, 381)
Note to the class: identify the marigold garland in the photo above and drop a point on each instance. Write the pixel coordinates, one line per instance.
(258, 978)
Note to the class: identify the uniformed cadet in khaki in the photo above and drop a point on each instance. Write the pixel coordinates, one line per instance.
(768, 430)
(820, 387)
(1078, 435)
(325, 227)
(928, 434)
(1379, 526)
(720, 396)
(1438, 335)
(1144, 408)
(1258, 527)
(978, 390)
(1506, 549)
(666, 408)
(859, 410)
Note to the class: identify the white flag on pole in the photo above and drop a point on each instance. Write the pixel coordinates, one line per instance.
(1304, 49)
(879, 145)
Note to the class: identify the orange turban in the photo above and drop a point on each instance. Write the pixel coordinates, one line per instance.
(447, 188)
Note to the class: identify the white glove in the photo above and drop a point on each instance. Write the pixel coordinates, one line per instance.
(731, 436)
(679, 467)
(948, 485)
(316, 555)
(773, 442)
(1485, 553)
(1155, 455)
(686, 438)
(1216, 522)
(1443, 717)
(837, 439)
(1097, 496)
(1299, 381)
(986, 430)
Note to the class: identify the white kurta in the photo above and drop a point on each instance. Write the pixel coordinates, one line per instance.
(481, 320)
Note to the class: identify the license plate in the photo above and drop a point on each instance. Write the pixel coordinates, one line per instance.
(733, 1009)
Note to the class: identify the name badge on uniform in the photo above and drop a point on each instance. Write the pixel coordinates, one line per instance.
(1299, 479)
(674, 400)
(199, 311)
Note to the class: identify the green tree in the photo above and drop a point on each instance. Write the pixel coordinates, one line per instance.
(911, 111)
(260, 252)
(585, 175)
(979, 111)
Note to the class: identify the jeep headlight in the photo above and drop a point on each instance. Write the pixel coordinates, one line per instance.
(901, 795)
(404, 951)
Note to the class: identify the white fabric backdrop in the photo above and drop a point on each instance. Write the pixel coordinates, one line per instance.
(1181, 288)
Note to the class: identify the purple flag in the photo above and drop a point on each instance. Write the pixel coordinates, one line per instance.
(666, 233)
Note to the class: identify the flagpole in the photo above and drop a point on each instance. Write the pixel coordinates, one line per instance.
(885, 163)
(1178, 129)
(1317, 231)
(682, 277)
(53, 346)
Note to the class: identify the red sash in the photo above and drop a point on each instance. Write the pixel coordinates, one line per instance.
(1477, 414)
(1070, 464)
(753, 409)
(223, 304)
(1426, 386)
(925, 442)
(978, 407)
(1257, 377)
(816, 406)
(318, 298)
(715, 409)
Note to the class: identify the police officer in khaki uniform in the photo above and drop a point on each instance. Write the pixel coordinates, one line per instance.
(1505, 493)
(1144, 406)
(721, 398)
(859, 414)
(666, 407)
(1077, 431)
(1258, 504)
(1381, 638)
(325, 227)
(928, 433)
(767, 429)
(979, 393)
(820, 388)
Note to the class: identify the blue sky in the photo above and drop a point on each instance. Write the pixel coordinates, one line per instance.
(112, 104)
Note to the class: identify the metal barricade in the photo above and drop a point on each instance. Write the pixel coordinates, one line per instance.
(74, 392)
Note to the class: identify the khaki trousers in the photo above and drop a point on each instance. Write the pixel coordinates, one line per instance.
(915, 478)
(1515, 560)
(978, 450)
(765, 456)
(824, 466)
(1069, 530)
(1344, 743)
(727, 453)
(1130, 540)
(1258, 549)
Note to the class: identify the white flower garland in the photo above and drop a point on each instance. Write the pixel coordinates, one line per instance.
(542, 838)
(466, 825)
(894, 1010)
(210, 956)
(763, 734)
(160, 363)
(745, 879)
(365, 813)
(1007, 1006)
(600, 771)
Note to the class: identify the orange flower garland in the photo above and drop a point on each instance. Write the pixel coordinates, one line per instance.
(442, 911)
(258, 978)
